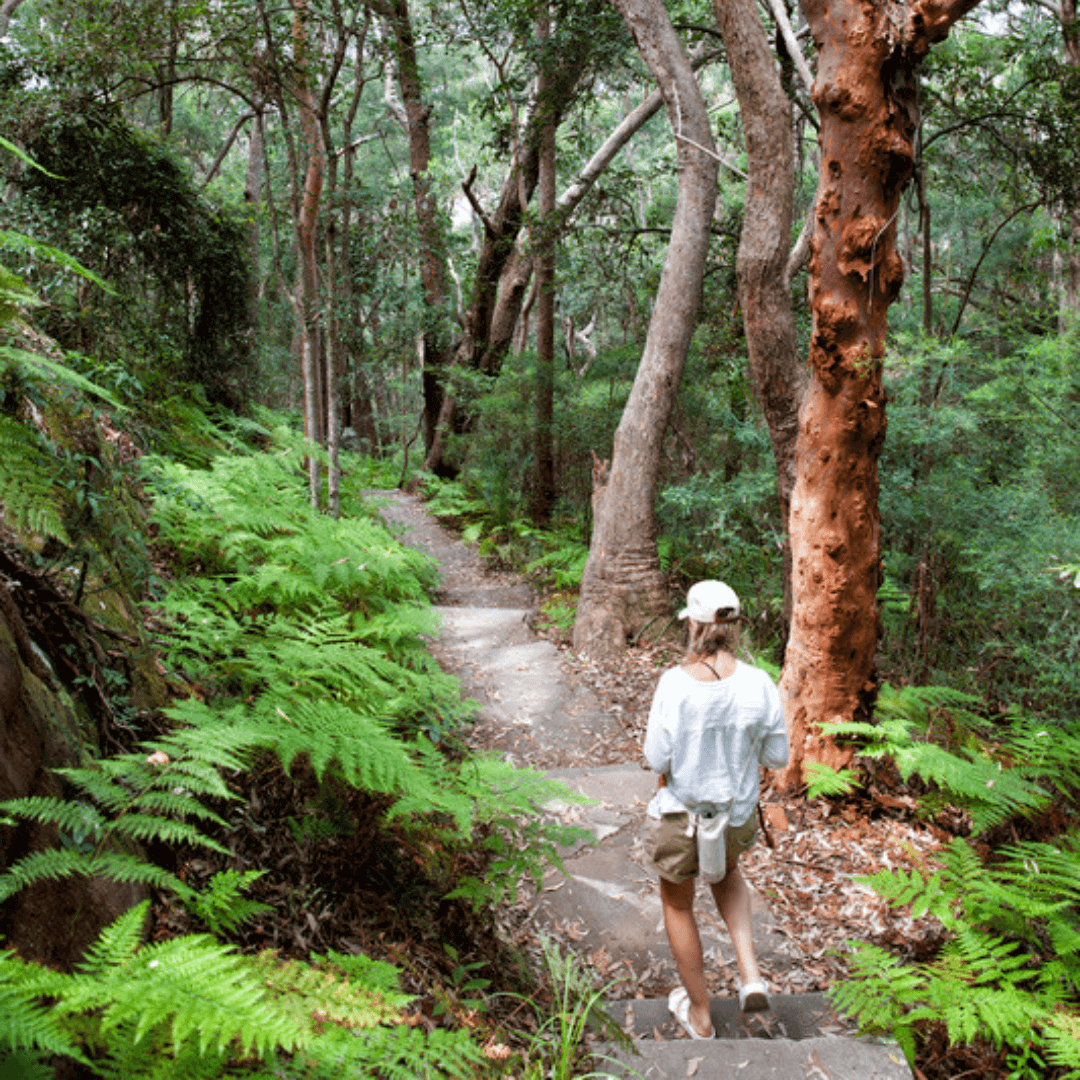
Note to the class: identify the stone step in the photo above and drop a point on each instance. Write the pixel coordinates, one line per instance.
(830, 1057)
(791, 1016)
(799, 1038)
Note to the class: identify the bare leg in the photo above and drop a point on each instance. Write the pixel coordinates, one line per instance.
(682, 932)
(732, 897)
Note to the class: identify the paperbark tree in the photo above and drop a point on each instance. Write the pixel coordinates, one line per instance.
(762, 262)
(865, 94)
(623, 584)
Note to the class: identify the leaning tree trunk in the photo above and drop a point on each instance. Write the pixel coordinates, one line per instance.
(623, 583)
(865, 93)
(764, 286)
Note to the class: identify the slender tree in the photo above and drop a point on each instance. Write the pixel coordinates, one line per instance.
(544, 452)
(623, 584)
(762, 264)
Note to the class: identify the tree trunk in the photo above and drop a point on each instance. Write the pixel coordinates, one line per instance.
(623, 583)
(252, 187)
(475, 348)
(544, 453)
(865, 96)
(514, 282)
(1070, 305)
(432, 254)
(307, 277)
(764, 287)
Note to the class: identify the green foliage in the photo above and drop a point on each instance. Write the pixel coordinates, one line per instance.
(994, 772)
(28, 482)
(576, 1008)
(221, 906)
(195, 1008)
(979, 496)
(824, 780)
(124, 206)
(154, 794)
(1007, 969)
(506, 806)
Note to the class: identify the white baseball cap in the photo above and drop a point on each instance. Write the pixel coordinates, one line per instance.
(706, 598)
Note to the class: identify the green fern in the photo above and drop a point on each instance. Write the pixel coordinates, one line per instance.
(193, 1008)
(1008, 973)
(824, 780)
(974, 776)
(153, 794)
(29, 483)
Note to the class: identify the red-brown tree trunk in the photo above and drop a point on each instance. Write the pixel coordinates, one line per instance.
(865, 96)
(623, 585)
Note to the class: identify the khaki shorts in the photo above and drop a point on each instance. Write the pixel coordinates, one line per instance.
(674, 854)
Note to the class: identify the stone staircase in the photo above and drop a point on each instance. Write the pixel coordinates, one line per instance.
(607, 903)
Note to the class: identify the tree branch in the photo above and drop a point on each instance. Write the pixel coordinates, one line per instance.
(780, 14)
(227, 145)
(929, 21)
(466, 186)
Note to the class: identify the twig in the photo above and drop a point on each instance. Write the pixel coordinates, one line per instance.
(873, 254)
(784, 23)
(697, 146)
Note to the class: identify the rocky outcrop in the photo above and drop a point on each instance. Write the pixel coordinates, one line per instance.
(41, 729)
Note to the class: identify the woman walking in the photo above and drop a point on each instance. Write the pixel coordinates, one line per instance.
(713, 721)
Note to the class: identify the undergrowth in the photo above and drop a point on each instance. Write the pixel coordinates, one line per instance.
(1006, 975)
(301, 638)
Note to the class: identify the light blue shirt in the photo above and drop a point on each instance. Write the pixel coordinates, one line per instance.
(709, 738)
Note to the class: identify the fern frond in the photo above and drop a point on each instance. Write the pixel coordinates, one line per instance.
(148, 827)
(55, 863)
(25, 1022)
(43, 367)
(29, 483)
(69, 815)
(221, 906)
(313, 995)
(824, 780)
(367, 754)
(118, 942)
(191, 987)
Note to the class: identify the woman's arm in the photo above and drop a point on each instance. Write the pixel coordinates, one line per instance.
(774, 745)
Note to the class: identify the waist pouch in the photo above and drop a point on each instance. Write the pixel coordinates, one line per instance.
(711, 826)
